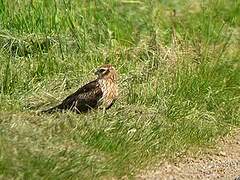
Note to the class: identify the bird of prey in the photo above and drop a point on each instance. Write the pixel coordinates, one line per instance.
(100, 93)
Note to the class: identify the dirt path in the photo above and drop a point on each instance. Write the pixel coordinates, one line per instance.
(222, 162)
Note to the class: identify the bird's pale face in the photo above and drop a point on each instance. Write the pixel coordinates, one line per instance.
(106, 72)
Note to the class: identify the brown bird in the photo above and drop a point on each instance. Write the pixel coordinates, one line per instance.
(100, 93)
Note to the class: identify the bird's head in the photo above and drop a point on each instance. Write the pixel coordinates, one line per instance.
(106, 71)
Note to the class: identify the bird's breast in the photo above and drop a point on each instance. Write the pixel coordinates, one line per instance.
(110, 91)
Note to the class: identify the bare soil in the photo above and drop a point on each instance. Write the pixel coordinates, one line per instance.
(220, 162)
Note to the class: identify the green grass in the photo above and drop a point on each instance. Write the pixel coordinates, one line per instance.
(179, 79)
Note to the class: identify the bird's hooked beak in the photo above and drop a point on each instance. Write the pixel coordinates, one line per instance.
(97, 72)
(101, 71)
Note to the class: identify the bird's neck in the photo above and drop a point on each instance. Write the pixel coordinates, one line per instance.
(110, 79)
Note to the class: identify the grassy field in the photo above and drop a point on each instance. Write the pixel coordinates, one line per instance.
(179, 67)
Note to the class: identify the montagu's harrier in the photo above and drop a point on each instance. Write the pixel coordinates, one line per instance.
(100, 93)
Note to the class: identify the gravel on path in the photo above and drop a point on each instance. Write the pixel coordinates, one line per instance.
(222, 162)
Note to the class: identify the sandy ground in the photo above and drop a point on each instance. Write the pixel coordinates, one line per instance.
(222, 162)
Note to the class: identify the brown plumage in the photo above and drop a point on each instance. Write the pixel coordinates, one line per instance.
(101, 92)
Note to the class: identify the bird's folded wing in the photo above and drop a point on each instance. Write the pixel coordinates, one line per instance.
(88, 93)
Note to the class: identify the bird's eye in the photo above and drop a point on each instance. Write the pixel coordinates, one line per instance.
(102, 70)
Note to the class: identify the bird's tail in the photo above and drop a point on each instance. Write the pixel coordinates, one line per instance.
(52, 110)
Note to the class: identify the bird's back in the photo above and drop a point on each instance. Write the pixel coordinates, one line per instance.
(84, 99)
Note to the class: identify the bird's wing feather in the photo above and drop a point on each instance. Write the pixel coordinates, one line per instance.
(88, 94)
